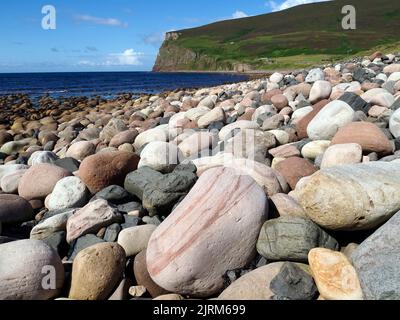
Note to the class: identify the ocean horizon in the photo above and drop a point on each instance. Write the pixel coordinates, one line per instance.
(108, 84)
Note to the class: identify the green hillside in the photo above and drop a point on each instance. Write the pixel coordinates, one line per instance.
(297, 37)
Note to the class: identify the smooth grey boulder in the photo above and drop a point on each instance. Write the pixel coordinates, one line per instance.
(24, 266)
(377, 262)
(51, 225)
(291, 239)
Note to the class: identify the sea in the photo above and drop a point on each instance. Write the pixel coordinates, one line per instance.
(107, 85)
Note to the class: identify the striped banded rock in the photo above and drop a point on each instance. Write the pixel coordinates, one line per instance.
(213, 230)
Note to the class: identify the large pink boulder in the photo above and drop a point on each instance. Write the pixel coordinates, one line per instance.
(39, 181)
(213, 230)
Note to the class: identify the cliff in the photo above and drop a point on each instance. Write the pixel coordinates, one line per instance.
(294, 38)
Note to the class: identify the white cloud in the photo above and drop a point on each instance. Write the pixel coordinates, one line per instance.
(127, 58)
(103, 21)
(239, 14)
(288, 4)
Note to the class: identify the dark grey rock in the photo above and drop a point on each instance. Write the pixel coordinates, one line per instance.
(165, 120)
(112, 233)
(69, 164)
(130, 221)
(377, 262)
(292, 283)
(291, 239)
(261, 262)
(152, 220)
(356, 102)
(136, 181)
(397, 144)
(373, 156)
(389, 86)
(113, 194)
(160, 192)
(302, 104)
(130, 206)
(160, 196)
(395, 105)
(58, 242)
(361, 75)
(360, 116)
(4, 239)
(390, 158)
(49, 146)
(22, 160)
(83, 243)
(231, 119)
(264, 116)
(218, 125)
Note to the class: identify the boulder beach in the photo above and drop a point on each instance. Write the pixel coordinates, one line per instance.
(282, 187)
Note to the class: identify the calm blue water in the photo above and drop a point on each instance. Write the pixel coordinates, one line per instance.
(107, 84)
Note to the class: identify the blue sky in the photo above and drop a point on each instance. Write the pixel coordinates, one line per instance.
(107, 35)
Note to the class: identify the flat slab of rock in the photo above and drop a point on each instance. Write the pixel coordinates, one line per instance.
(204, 250)
(23, 266)
(51, 225)
(90, 219)
(291, 239)
(352, 197)
(377, 261)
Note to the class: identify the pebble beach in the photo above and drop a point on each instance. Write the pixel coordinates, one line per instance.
(285, 187)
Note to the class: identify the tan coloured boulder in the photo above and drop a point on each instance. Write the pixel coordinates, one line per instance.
(96, 271)
(334, 275)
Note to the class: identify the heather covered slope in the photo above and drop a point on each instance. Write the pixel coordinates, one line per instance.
(294, 38)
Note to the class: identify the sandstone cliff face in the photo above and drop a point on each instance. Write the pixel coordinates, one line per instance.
(173, 57)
